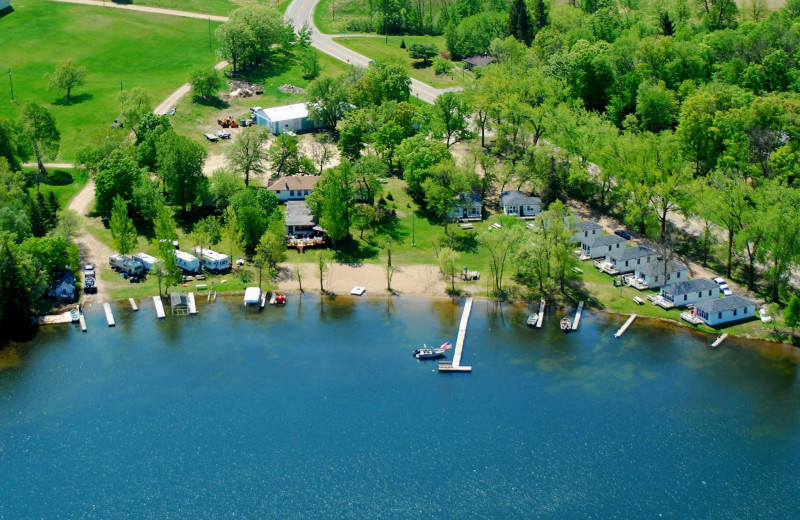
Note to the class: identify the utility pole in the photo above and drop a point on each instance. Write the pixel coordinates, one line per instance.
(12, 85)
(209, 35)
(413, 242)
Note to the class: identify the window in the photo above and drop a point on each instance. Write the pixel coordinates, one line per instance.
(685, 296)
(638, 261)
(609, 248)
(700, 294)
(720, 315)
(291, 193)
(626, 263)
(734, 312)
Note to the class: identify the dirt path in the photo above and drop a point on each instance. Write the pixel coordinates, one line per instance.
(156, 10)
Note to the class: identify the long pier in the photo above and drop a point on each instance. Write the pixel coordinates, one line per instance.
(133, 304)
(719, 340)
(192, 304)
(577, 319)
(82, 321)
(540, 319)
(109, 315)
(627, 324)
(159, 307)
(455, 365)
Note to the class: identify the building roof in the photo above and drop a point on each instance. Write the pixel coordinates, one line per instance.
(479, 60)
(688, 286)
(723, 304)
(630, 253)
(517, 198)
(587, 225)
(178, 299)
(601, 240)
(658, 267)
(473, 198)
(294, 182)
(298, 214)
(285, 112)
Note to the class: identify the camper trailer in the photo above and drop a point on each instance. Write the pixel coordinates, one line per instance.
(211, 260)
(125, 264)
(187, 262)
(147, 261)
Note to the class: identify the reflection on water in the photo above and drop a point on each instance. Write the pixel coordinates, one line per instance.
(318, 410)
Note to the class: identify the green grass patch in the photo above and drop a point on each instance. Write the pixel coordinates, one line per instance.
(375, 47)
(154, 52)
(65, 183)
(214, 7)
(334, 16)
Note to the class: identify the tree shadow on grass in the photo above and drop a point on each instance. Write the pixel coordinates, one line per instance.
(213, 102)
(353, 251)
(420, 65)
(465, 242)
(278, 64)
(74, 100)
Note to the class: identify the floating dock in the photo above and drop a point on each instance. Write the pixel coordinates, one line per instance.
(192, 304)
(263, 299)
(577, 319)
(719, 340)
(159, 307)
(455, 365)
(133, 304)
(82, 321)
(540, 319)
(109, 315)
(627, 324)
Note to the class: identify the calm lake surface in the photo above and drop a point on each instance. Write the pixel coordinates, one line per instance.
(318, 410)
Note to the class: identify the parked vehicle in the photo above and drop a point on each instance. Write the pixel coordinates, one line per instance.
(211, 260)
(147, 261)
(622, 233)
(125, 264)
(224, 134)
(187, 262)
(90, 285)
(88, 270)
(212, 137)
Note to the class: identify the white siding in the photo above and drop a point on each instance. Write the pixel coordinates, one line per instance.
(718, 318)
(690, 298)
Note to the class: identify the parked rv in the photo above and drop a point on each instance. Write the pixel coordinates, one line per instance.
(147, 261)
(211, 260)
(187, 262)
(125, 264)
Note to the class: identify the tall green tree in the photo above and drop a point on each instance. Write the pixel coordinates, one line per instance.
(123, 232)
(180, 163)
(332, 200)
(327, 100)
(116, 176)
(791, 315)
(15, 307)
(447, 265)
(284, 155)
(248, 153)
(67, 76)
(519, 22)
(134, 104)
(450, 118)
(40, 135)
(206, 83)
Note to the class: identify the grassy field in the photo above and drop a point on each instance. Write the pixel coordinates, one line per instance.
(332, 16)
(39, 34)
(65, 183)
(375, 47)
(215, 7)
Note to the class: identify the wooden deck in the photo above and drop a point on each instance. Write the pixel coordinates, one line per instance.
(627, 324)
(578, 314)
(455, 365)
(159, 307)
(109, 315)
(540, 318)
(192, 304)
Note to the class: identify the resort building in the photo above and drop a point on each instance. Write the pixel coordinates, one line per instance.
(299, 220)
(626, 260)
(468, 206)
(287, 118)
(477, 60)
(598, 246)
(690, 292)
(293, 187)
(519, 204)
(655, 274)
(725, 310)
(585, 230)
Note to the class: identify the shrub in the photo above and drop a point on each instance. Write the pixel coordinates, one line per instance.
(389, 196)
(442, 66)
(403, 44)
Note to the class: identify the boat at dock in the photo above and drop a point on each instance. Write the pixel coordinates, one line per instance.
(532, 319)
(566, 324)
(252, 296)
(432, 353)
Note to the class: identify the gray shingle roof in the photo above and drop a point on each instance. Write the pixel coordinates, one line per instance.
(587, 225)
(473, 198)
(723, 304)
(630, 253)
(602, 240)
(298, 214)
(688, 286)
(517, 198)
(658, 267)
(478, 60)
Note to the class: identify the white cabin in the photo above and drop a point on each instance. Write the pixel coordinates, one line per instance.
(187, 262)
(690, 292)
(655, 274)
(725, 310)
(597, 246)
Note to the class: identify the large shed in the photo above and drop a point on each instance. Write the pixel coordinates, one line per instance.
(287, 118)
(4, 4)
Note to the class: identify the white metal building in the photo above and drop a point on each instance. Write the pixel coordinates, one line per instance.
(287, 118)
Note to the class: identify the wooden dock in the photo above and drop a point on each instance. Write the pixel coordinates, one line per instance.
(627, 324)
(263, 299)
(109, 315)
(192, 304)
(540, 319)
(133, 304)
(577, 319)
(159, 307)
(455, 365)
(82, 321)
(719, 340)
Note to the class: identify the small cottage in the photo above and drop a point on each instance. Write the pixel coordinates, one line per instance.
(518, 204)
(626, 260)
(64, 287)
(725, 310)
(690, 292)
(585, 230)
(299, 220)
(477, 60)
(293, 187)
(468, 206)
(596, 246)
(287, 118)
(655, 274)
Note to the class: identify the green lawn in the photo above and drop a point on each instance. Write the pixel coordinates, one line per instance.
(332, 16)
(39, 34)
(215, 7)
(64, 183)
(375, 47)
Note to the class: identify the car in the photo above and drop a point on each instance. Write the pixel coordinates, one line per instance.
(88, 270)
(622, 233)
(723, 286)
(718, 280)
(118, 123)
(727, 292)
(90, 285)
(224, 134)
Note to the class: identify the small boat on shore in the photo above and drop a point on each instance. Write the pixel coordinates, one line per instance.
(566, 324)
(432, 353)
(532, 319)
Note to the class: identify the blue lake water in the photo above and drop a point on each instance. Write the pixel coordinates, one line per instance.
(318, 410)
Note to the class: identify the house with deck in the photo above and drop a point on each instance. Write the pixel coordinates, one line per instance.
(468, 206)
(653, 275)
(725, 310)
(518, 204)
(299, 220)
(689, 292)
(626, 260)
(293, 187)
(599, 246)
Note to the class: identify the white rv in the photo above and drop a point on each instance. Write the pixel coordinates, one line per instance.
(212, 260)
(187, 262)
(125, 264)
(147, 261)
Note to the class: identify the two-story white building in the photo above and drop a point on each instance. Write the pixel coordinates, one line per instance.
(653, 275)
(725, 310)
(598, 246)
(518, 204)
(294, 187)
(626, 260)
(690, 292)
(585, 230)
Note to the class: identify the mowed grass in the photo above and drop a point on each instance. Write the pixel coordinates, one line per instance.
(65, 183)
(333, 16)
(215, 7)
(375, 47)
(117, 47)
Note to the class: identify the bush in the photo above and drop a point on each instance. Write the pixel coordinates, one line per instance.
(389, 196)
(423, 51)
(360, 24)
(445, 55)
(402, 44)
(442, 66)
(381, 201)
